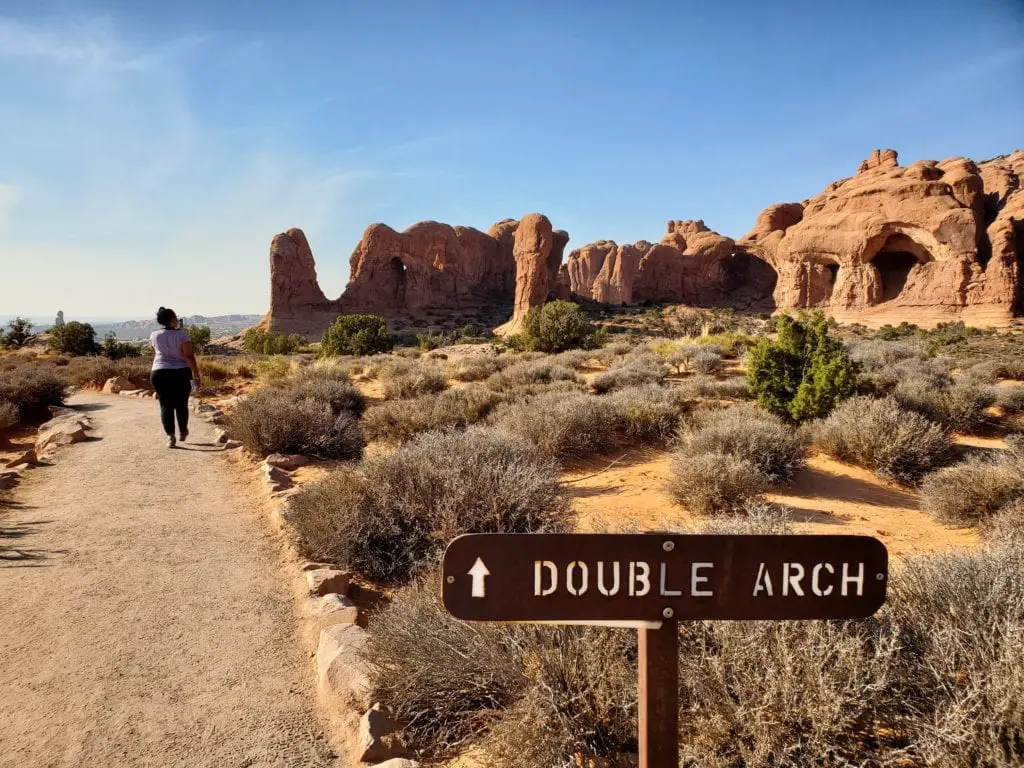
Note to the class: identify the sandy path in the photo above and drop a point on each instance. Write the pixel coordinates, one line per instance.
(150, 624)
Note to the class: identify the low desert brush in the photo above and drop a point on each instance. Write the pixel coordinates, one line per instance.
(746, 432)
(881, 435)
(714, 483)
(973, 490)
(573, 425)
(530, 372)
(32, 391)
(281, 421)
(399, 420)
(393, 516)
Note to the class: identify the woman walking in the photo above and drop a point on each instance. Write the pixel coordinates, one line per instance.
(174, 370)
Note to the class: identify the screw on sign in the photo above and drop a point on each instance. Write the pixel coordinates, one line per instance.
(650, 582)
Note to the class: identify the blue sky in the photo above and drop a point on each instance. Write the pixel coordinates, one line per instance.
(150, 150)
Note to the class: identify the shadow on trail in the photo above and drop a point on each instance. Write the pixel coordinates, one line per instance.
(14, 556)
(200, 447)
(89, 407)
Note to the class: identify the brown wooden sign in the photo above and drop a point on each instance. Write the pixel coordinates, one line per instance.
(654, 580)
(650, 577)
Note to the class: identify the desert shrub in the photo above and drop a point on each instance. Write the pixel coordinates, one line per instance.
(74, 338)
(199, 335)
(1006, 527)
(94, 371)
(280, 421)
(438, 674)
(710, 387)
(31, 391)
(356, 335)
(874, 355)
(616, 349)
(333, 390)
(257, 341)
(630, 371)
(1015, 444)
(577, 700)
(399, 420)
(19, 333)
(429, 341)
(973, 490)
(573, 689)
(804, 374)
(780, 693)
(707, 362)
(729, 344)
(746, 432)
(395, 515)
(562, 424)
(646, 413)
(412, 380)
(961, 680)
(118, 350)
(9, 415)
(477, 367)
(575, 359)
(960, 407)
(881, 435)
(1010, 399)
(556, 327)
(530, 372)
(712, 483)
(572, 425)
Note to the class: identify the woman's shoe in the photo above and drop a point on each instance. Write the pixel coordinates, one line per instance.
(171, 442)
(184, 436)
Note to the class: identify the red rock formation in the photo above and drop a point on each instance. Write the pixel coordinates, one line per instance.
(931, 241)
(691, 264)
(537, 249)
(297, 305)
(428, 268)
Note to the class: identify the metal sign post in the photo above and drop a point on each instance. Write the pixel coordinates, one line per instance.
(651, 582)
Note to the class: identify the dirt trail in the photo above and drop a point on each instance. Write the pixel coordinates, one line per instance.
(147, 621)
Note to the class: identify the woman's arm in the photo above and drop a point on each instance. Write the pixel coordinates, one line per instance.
(190, 358)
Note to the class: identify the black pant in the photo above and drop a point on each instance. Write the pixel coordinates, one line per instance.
(172, 387)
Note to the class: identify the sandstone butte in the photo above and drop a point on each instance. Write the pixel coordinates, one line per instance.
(929, 242)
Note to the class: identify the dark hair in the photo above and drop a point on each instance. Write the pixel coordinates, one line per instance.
(165, 316)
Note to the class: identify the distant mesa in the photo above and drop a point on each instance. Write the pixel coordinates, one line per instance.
(929, 242)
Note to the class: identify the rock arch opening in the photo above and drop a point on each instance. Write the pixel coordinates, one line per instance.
(833, 271)
(398, 278)
(894, 261)
(749, 281)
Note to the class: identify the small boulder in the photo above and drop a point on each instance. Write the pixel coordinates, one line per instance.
(63, 430)
(206, 408)
(340, 671)
(314, 566)
(230, 445)
(398, 762)
(287, 461)
(220, 436)
(29, 458)
(331, 610)
(116, 385)
(277, 479)
(377, 740)
(325, 581)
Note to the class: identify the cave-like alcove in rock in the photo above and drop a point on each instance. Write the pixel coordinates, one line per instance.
(894, 261)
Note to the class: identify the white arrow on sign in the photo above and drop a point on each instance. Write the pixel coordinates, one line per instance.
(479, 572)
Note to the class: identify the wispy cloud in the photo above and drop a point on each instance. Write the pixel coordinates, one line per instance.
(117, 181)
